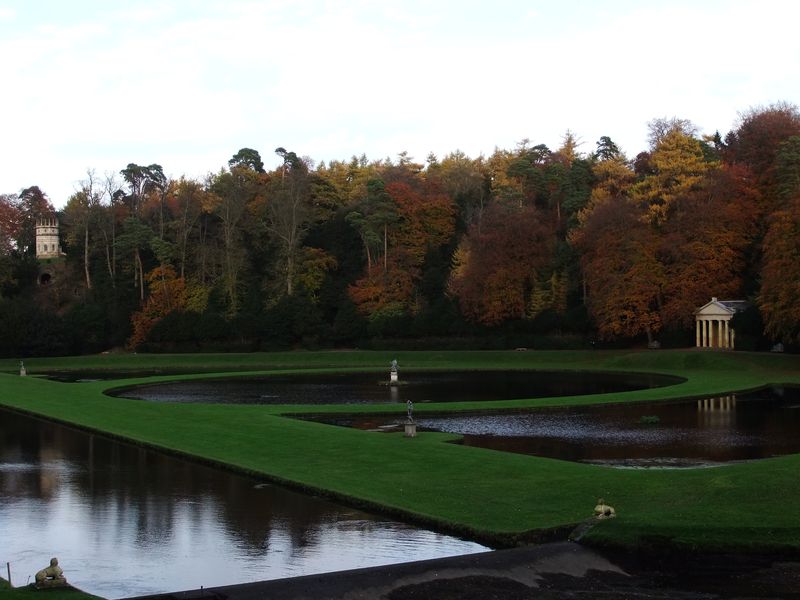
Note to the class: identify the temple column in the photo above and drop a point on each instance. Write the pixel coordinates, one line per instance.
(697, 333)
(727, 335)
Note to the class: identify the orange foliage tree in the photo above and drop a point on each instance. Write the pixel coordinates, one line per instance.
(619, 258)
(167, 294)
(779, 299)
(425, 220)
(498, 263)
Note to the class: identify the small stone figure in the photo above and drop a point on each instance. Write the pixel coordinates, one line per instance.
(410, 410)
(603, 510)
(22, 370)
(51, 576)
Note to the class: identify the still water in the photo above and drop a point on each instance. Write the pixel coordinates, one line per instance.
(363, 388)
(125, 521)
(686, 433)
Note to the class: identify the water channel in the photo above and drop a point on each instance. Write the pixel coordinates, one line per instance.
(690, 433)
(126, 521)
(685, 433)
(369, 388)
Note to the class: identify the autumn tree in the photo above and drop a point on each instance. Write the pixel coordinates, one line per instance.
(466, 181)
(679, 167)
(186, 202)
(659, 128)
(287, 211)
(756, 140)
(81, 213)
(167, 293)
(10, 223)
(372, 217)
(33, 204)
(498, 266)
(232, 197)
(705, 245)
(143, 182)
(779, 299)
(619, 259)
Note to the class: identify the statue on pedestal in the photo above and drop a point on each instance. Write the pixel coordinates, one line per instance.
(51, 576)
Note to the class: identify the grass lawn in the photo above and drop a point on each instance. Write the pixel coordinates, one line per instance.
(487, 494)
(29, 593)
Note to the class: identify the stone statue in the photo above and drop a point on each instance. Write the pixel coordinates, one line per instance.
(22, 370)
(603, 510)
(394, 366)
(51, 576)
(410, 410)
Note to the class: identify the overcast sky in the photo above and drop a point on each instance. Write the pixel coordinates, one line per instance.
(100, 84)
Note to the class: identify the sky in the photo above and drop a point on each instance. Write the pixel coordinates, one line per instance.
(94, 85)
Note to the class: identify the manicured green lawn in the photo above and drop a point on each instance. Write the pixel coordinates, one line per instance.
(494, 495)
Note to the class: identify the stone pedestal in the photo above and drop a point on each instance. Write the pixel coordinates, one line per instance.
(22, 372)
(393, 377)
(411, 429)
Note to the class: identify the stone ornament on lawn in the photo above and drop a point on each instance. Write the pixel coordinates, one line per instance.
(51, 576)
(604, 511)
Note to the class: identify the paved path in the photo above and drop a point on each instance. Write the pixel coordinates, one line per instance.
(563, 570)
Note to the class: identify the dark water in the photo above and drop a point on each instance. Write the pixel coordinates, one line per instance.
(366, 388)
(677, 434)
(126, 521)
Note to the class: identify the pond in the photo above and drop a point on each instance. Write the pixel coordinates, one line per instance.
(126, 521)
(366, 388)
(687, 433)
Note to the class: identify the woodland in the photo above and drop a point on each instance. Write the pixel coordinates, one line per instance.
(530, 247)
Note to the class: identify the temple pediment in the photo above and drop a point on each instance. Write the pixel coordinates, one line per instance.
(721, 308)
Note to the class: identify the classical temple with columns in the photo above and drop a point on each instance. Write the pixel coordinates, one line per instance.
(713, 323)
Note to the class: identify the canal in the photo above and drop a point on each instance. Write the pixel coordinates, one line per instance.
(127, 521)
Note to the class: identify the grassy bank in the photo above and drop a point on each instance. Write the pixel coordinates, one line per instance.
(480, 492)
(29, 593)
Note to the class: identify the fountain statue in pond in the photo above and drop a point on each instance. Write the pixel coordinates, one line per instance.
(51, 577)
(393, 372)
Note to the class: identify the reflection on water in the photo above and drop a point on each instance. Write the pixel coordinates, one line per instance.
(355, 388)
(674, 434)
(126, 521)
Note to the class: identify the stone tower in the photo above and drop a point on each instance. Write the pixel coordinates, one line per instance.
(47, 242)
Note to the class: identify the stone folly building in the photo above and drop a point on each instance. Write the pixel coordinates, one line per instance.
(48, 244)
(713, 323)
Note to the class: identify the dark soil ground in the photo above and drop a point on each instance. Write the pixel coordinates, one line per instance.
(562, 570)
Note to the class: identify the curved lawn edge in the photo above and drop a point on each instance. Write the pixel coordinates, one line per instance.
(477, 493)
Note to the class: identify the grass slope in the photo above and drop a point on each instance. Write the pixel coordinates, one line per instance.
(480, 492)
(30, 593)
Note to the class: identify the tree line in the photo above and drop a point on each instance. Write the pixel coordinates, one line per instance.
(525, 247)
